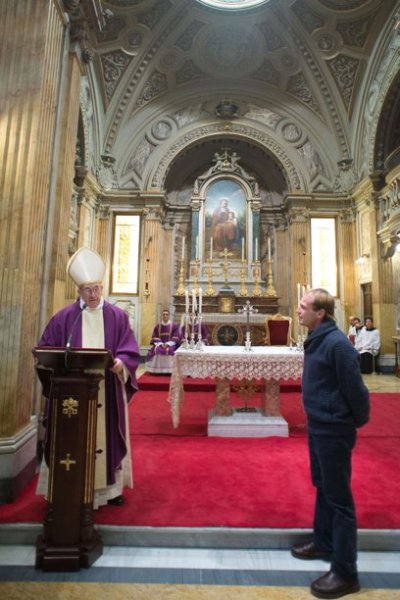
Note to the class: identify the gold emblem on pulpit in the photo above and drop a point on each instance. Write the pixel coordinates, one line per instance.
(67, 462)
(70, 407)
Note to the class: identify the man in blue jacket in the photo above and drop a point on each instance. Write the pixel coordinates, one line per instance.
(336, 402)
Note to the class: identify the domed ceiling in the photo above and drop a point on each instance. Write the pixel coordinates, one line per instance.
(174, 78)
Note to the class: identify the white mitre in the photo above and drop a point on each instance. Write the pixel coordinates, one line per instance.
(86, 266)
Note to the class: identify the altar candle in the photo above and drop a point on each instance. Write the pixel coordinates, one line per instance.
(269, 248)
(211, 249)
(256, 249)
(186, 301)
(200, 299)
(197, 247)
(242, 248)
(298, 293)
(183, 247)
(193, 301)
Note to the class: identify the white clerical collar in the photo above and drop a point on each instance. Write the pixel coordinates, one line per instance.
(84, 305)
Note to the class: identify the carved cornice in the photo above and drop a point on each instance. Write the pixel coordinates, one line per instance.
(158, 177)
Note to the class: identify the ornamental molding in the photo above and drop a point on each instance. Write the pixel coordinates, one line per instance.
(323, 87)
(130, 89)
(157, 178)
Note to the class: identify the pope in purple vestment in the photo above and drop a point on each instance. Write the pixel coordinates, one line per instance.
(66, 326)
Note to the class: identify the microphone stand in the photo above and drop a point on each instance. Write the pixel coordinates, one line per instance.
(69, 340)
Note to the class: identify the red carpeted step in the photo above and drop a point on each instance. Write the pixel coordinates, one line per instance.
(183, 478)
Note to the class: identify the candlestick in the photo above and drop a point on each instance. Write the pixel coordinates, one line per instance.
(269, 248)
(194, 303)
(186, 301)
(183, 247)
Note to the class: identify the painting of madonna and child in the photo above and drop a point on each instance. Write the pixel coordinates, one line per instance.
(225, 220)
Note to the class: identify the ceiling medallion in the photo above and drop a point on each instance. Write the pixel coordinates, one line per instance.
(233, 4)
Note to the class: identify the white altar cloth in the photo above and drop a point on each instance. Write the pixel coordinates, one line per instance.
(269, 363)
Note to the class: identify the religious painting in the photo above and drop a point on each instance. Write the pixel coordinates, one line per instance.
(225, 220)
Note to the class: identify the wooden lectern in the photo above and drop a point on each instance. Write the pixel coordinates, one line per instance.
(70, 381)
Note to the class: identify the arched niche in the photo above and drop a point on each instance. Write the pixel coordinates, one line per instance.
(225, 220)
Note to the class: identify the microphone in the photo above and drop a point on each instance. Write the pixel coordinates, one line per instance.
(69, 340)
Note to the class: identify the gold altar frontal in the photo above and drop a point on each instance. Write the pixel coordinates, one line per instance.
(245, 368)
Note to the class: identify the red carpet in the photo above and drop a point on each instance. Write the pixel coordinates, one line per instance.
(185, 479)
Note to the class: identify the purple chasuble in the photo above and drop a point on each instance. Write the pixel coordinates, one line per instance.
(121, 342)
(164, 332)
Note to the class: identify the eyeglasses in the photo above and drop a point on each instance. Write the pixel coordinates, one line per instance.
(88, 291)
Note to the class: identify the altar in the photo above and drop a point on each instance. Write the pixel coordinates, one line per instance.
(267, 365)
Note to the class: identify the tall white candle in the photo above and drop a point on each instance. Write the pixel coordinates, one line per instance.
(197, 247)
(186, 301)
(183, 247)
(256, 250)
(211, 249)
(242, 248)
(269, 248)
(298, 293)
(194, 302)
(200, 299)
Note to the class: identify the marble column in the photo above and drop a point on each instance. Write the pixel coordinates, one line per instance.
(33, 78)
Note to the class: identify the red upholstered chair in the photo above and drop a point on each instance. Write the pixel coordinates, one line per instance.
(279, 330)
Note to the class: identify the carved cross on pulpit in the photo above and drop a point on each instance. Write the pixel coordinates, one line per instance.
(225, 254)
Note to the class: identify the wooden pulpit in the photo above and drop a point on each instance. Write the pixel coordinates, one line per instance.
(70, 381)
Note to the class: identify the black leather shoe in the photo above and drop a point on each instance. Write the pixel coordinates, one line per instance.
(331, 585)
(117, 501)
(309, 551)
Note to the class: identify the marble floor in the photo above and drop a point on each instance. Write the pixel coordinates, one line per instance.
(151, 573)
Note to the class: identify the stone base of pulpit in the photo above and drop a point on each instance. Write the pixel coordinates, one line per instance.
(246, 424)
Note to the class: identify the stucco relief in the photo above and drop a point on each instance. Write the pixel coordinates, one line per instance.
(86, 105)
(139, 158)
(114, 66)
(344, 70)
(155, 85)
(355, 33)
(298, 86)
(264, 115)
(312, 160)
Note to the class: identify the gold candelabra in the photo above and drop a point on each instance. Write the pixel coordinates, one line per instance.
(257, 291)
(270, 281)
(181, 290)
(243, 290)
(210, 291)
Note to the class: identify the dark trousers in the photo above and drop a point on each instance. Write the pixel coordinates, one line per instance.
(335, 525)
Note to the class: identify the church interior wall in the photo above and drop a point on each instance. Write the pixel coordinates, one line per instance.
(46, 214)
